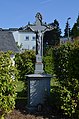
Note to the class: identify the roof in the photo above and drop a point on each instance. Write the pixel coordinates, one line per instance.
(7, 42)
(25, 29)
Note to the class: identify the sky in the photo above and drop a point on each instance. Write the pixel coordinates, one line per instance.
(17, 13)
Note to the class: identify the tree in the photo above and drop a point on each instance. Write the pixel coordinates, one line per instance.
(75, 29)
(52, 38)
(67, 29)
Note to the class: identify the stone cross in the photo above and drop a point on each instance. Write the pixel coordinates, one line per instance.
(39, 82)
(39, 28)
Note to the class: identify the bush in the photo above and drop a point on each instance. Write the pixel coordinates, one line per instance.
(48, 62)
(8, 79)
(66, 68)
(25, 63)
(48, 65)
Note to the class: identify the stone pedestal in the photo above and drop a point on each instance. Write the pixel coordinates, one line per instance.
(38, 83)
(39, 65)
(38, 88)
(39, 68)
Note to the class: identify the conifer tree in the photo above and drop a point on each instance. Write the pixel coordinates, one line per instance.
(75, 28)
(52, 38)
(67, 29)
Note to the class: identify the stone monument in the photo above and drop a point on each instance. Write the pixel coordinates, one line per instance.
(39, 82)
(39, 28)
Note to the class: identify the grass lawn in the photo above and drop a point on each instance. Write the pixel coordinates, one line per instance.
(20, 86)
(21, 90)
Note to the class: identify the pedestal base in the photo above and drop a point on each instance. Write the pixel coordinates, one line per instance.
(38, 90)
(39, 68)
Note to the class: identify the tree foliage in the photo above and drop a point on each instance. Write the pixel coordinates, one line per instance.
(75, 29)
(52, 38)
(67, 29)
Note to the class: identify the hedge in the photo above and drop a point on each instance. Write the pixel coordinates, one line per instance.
(66, 69)
(8, 79)
(25, 63)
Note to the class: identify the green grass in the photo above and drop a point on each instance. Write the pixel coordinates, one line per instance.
(20, 86)
(21, 90)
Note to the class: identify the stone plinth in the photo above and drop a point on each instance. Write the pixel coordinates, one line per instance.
(38, 83)
(39, 65)
(39, 68)
(38, 88)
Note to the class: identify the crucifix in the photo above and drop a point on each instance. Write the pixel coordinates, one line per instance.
(39, 82)
(39, 28)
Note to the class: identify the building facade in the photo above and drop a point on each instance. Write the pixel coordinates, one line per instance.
(25, 39)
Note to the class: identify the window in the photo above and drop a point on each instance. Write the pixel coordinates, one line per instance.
(27, 38)
(33, 38)
(34, 47)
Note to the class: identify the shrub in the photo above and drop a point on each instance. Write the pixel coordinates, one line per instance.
(7, 84)
(48, 62)
(25, 63)
(66, 68)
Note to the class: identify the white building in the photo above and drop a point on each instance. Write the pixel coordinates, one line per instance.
(25, 39)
